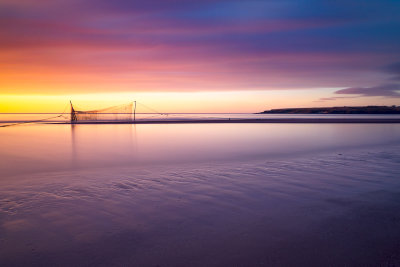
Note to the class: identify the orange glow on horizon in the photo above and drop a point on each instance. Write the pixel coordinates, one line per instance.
(190, 102)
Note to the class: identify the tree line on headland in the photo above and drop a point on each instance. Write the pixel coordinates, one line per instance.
(337, 110)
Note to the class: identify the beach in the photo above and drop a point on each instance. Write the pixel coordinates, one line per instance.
(223, 133)
(263, 195)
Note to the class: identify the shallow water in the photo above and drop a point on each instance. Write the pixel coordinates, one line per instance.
(6, 118)
(200, 195)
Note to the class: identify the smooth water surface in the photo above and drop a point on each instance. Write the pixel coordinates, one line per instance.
(200, 195)
(9, 118)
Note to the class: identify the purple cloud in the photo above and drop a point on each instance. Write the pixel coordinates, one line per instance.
(387, 90)
(227, 44)
(393, 69)
(336, 98)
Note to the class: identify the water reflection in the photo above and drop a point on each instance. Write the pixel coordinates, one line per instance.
(33, 148)
(74, 156)
(111, 144)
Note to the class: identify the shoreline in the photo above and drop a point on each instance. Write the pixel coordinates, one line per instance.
(280, 120)
(221, 121)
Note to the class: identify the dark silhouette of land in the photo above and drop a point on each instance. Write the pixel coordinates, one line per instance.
(337, 110)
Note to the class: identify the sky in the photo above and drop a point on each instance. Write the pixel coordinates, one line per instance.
(198, 56)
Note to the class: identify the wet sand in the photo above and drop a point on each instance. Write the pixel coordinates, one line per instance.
(324, 210)
(260, 195)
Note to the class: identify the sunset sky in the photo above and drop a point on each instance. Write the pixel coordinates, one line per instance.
(198, 56)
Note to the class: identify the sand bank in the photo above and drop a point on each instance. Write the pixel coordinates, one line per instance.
(269, 120)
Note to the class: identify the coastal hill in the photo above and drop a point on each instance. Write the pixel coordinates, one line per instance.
(337, 110)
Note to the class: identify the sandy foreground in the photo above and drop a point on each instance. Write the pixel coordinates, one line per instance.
(324, 209)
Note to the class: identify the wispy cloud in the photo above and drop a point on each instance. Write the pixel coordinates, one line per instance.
(393, 69)
(198, 45)
(388, 90)
(335, 98)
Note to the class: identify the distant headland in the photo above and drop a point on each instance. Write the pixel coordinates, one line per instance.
(337, 110)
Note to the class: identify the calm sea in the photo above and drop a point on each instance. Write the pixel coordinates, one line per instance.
(49, 117)
(200, 194)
